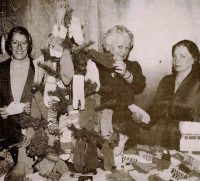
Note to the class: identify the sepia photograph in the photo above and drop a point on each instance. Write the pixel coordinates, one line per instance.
(99, 90)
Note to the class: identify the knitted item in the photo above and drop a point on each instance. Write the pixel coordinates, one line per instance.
(78, 91)
(35, 176)
(106, 122)
(23, 158)
(65, 134)
(91, 158)
(40, 105)
(75, 30)
(35, 111)
(49, 86)
(85, 156)
(79, 155)
(92, 74)
(88, 115)
(59, 31)
(118, 150)
(155, 178)
(161, 164)
(66, 67)
(105, 59)
(39, 72)
(119, 176)
(60, 167)
(46, 165)
(52, 121)
(56, 51)
(108, 156)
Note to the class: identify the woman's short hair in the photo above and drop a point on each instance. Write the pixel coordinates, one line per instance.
(23, 31)
(192, 48)
(108, 37)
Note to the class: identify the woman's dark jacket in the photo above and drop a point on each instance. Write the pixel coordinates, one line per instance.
(169, 107)
(10, 130)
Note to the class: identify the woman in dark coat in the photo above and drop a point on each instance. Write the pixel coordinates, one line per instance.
(16, 79)
(177, 98)
(124, 80)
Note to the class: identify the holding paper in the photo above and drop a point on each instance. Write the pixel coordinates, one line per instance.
(15, 108)
(139, 114)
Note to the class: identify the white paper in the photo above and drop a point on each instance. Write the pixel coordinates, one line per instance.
(15, 108)
(135, 109)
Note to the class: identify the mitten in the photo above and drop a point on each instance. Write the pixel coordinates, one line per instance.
(92, 73)
(91, 157)
(46, 165)
(105, 59)
(79, 155)
(39, 103)
(73, 118)
(106, 122)
(60, 167)
(118, 150)
(65, 135)
(78, 91)
(59, 31)
(108, 157)
(75, 30)
(39, 72)
(66, 67)
(56, 51)
(87, 116)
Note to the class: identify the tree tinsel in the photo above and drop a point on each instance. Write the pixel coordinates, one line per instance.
(26, 121)
(80, 56)
(61, 106)
(49, 70)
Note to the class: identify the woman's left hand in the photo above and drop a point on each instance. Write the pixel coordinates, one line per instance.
(120, 67)
(27, 108)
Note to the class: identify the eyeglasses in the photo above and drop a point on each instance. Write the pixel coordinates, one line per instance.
(23, 44)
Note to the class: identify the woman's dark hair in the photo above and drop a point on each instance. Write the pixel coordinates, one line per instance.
(23, 31)
(192, 48)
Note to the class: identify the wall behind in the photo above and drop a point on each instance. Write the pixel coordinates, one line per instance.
(156, 24)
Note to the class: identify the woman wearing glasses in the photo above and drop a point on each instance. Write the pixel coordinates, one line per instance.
(16, 79)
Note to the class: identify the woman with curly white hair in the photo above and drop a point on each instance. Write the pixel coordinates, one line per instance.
(123, 79)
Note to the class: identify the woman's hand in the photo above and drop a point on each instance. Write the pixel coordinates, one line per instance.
(120, 67)
(137, 117)
(3, 112)
(27, 108)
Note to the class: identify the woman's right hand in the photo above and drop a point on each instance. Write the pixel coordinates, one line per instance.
(137, 117)
(3, 112)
